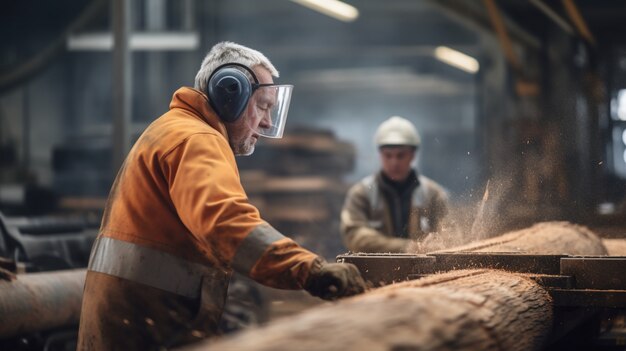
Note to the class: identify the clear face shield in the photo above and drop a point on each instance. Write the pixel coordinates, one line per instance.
(271, 102)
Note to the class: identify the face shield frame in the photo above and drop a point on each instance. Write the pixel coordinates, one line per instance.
(277, 113)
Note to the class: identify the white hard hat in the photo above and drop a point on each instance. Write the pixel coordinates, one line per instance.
(397, 131)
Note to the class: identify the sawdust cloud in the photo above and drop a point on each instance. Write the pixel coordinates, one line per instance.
(478, 215)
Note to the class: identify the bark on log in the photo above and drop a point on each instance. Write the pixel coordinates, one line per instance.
(459, 310)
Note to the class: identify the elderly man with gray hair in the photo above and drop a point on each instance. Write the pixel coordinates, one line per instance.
(178, 222)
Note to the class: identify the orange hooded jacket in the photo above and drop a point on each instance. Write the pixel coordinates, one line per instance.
(176, 223)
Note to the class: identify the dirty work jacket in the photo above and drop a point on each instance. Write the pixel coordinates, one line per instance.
(366, 218)
(176, 224)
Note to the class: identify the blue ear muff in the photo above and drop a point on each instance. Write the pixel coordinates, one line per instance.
(229, 90)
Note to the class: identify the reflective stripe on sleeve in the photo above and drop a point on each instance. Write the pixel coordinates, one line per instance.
(253, 247)
(149, 267)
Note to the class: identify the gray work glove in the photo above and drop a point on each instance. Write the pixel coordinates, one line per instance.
(331, 281)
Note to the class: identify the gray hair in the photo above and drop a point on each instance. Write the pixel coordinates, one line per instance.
(229, 52)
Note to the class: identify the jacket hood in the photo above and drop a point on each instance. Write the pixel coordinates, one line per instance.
(198, 103)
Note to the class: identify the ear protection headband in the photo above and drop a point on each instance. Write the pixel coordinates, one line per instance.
(229, 90)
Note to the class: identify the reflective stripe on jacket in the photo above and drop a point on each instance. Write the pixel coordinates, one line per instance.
(366, 223)
(176, 223)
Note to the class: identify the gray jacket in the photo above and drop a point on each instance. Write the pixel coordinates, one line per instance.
(366, 219)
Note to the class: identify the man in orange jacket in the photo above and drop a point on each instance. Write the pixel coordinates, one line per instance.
(178, 222)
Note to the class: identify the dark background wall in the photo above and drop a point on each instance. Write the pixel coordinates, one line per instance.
(547, 148)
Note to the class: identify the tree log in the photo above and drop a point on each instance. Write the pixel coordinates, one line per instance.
(461, 310)
(458, 310)
(547, 238)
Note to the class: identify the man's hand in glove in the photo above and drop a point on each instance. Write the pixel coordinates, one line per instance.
(330, 281)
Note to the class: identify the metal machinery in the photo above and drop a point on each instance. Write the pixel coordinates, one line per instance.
(588, 292)
(47, 243)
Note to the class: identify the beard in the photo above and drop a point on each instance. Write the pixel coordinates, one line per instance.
(244, 148)
(240, 138)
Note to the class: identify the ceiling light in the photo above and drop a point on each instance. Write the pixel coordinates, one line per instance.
(457, 59)
(395, 80)
(146, 41)
(333, 8)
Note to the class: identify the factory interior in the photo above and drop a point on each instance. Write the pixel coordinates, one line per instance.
(520, 107)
